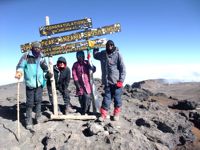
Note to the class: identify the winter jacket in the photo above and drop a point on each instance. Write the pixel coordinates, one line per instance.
(62, 78)
(112, 66)
(80, 73)
(33, 69)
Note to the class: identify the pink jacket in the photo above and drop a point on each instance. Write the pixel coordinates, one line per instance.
(80, 73)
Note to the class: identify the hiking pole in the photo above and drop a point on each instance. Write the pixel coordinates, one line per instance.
(18, 127)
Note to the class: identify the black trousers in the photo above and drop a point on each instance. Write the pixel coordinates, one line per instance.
(65, 95)
(85, 102)
(33, 96)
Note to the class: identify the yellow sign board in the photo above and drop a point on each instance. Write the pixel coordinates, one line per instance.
(66, 26)
(81, 35)
(73, 47)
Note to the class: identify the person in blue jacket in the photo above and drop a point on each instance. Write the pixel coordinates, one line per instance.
(33, 66)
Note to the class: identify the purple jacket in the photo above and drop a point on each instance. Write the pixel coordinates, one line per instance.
(80, 73)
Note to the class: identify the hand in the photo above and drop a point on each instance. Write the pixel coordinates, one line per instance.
(18, 75)
(96, 49)
(91, 43)
(119, 84)
(48, 75)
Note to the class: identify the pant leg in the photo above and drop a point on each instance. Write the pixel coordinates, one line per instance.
(81, 102)
(87, 102)
(117, 92)
(107, 98)
(38, 101)
(50, 94)
(29, 105)
(66, 97)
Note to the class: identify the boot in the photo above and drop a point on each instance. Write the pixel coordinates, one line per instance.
(59, 111)
(68, 109)
(52, 110)
(103, 114)
(29, 121)
(116, 113)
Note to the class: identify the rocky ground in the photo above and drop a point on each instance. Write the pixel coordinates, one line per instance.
(155, 115)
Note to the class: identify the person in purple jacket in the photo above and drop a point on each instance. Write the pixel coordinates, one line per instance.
(81, 76)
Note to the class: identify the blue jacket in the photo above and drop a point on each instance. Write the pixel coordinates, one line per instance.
(33, 69)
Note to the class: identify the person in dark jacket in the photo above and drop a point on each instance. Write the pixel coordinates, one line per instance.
(62, 78)
(113, 75)
(81, 76)
(34, 67)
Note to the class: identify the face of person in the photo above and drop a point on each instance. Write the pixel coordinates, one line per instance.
(37, 49)
(61, 64)
(80, 57)
(110, 46)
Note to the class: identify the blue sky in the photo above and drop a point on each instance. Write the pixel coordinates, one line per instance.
(159, 38)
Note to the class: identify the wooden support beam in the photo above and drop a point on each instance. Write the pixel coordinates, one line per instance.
(73, 117)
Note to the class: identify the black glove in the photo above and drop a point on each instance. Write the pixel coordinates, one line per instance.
(96, 49)
(77, 85)
(48, 75)
(44, 66)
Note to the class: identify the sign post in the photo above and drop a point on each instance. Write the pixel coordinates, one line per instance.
(53, 87)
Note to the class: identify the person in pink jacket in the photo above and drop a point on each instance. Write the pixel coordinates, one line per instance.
(81, 77)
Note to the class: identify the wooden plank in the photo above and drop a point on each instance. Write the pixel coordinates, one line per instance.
(73, 47)
(73, 117)
(81, 35)
(66, 26)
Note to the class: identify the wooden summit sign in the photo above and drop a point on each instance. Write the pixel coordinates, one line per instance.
(66, 26)
(57, 41)
(73, 47)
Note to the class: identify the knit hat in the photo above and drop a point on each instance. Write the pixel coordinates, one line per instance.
(36, 45)
(80, 54)
(110, 42)
(62, 59)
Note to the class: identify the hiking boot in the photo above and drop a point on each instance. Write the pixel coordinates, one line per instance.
(116, 113)
(103, 114)
(28, 119)
(69, 109)
(39, 120)
(29, 127)
(116, 118)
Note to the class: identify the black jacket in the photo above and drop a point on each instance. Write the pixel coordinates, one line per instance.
(62, 78)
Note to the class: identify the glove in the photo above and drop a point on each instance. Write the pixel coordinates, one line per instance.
(96, 49)
(119, 84)
(18, 74)
(91, 43)
(48, 75)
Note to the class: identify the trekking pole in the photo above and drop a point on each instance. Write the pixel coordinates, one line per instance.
(95, 103)
(18, 127)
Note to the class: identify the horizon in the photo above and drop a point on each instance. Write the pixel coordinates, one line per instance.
(157, 39)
